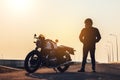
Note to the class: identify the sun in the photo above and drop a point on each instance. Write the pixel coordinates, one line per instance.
(18, 5)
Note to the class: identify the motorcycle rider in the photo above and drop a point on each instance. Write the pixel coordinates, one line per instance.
(89, 36)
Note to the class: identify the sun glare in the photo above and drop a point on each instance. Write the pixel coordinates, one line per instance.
(18, 5)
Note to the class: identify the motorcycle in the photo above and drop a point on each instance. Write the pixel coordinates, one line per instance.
(56, 57)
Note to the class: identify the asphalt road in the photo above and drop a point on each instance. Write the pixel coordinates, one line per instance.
(104, 72)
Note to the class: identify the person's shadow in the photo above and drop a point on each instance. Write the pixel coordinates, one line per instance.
(74, 76)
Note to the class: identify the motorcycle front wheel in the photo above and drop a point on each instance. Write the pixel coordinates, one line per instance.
(32, 61)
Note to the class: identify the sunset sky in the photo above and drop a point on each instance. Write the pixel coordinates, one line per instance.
(57, 19)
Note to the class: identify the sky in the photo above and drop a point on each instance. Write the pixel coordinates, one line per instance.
(57, 19)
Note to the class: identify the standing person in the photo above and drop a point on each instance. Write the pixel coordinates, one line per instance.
(89, 36)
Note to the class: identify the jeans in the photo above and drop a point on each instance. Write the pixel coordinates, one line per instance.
(92, 55)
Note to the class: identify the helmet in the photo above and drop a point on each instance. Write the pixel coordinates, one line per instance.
(88, 21)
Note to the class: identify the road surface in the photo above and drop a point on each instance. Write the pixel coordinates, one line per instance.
(104, 72)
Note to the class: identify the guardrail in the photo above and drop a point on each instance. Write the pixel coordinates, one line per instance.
(12, 63)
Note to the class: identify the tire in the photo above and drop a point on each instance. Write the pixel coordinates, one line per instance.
(32, 61)
(63, 68)
(66, 66)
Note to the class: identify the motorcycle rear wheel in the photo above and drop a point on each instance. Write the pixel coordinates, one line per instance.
(63, 68)
(32, 61)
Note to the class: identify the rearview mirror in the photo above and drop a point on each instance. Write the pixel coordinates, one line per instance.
(35, 35)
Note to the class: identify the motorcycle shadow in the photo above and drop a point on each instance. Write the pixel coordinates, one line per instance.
(73, 76)
(52, 76)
